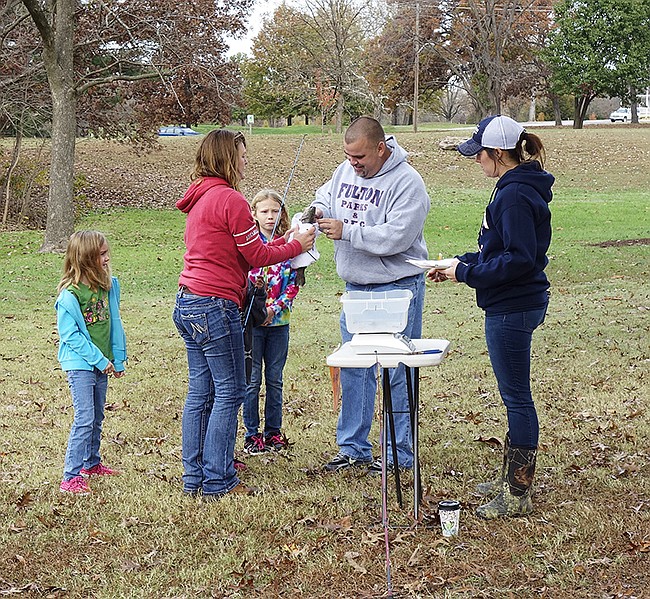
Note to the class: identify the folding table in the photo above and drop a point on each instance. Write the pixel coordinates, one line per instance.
(428, 352)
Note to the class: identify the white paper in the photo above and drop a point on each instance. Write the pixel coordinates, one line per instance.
(427, 264)
(306, 258)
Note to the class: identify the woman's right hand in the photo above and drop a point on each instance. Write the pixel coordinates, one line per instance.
(448, 274)
(306, 238)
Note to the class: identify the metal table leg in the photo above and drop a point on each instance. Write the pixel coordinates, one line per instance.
(389, 426)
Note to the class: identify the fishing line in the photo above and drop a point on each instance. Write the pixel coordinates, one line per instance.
(286, 189)
(384, 479)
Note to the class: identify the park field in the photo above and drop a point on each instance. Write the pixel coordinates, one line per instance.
(309, 534)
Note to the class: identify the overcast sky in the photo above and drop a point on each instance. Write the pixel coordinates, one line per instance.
(261, 9)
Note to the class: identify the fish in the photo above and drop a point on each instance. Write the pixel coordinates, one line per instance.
(308, 217)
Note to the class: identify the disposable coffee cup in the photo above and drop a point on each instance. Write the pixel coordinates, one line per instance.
(449, 511)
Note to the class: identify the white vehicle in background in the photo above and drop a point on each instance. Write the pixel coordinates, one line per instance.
(621, 114)
(624, 115)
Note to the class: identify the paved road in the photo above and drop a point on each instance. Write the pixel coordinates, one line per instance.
(532, 124)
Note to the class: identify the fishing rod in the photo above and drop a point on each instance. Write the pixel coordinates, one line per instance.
(286, 189)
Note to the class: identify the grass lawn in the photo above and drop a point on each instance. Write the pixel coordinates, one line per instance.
(311, 534)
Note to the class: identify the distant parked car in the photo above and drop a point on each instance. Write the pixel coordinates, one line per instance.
(174, 131)
(621, 114)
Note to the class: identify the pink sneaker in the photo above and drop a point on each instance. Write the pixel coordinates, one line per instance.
(99, 470)
(239, 465)
(76, 485)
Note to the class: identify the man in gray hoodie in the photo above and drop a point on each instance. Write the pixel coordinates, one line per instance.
(374, 208)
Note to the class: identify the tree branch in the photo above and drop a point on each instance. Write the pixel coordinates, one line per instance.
(40, 19)
(112, 78)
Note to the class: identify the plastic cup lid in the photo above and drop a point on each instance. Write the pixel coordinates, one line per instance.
(449, 505)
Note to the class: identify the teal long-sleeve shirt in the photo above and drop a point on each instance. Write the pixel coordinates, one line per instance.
(76, 349)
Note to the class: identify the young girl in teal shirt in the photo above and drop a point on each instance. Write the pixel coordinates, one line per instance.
(92, 345)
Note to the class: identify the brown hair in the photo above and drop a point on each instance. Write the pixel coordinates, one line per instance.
(218, 156)
(82, 261)
(365, 127)
(528, 148)
(283, 223)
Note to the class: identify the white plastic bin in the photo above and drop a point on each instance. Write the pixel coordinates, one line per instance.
(376, 311)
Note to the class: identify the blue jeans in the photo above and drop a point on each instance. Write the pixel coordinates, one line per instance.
(359, 387)
(509, 337)
(88, 388)
(212, 331)
(270, 345)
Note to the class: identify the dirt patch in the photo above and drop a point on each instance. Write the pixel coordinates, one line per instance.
(109, 174)
(621, 243)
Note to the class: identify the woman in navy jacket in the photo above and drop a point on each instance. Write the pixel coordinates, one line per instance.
(507, 273)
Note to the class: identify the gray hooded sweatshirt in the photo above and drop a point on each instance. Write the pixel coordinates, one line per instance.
(383, 219)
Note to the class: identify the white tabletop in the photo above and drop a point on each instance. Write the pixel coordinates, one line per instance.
(346, 356)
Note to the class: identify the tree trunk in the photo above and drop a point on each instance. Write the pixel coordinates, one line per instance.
(633, 105)
(557, 111)
(581, 105)
(60, 205)
(15, 155)
(56, 28)
(340, 105)
(532, 109)
(495, 97)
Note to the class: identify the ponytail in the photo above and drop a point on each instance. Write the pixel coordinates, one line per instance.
(529, 145)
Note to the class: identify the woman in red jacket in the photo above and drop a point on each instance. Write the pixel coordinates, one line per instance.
(222, 244)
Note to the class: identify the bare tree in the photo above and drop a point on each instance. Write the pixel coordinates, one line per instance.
(340, 29)
(489, 45)
(390, 57)
(25, 108)
(93, 43)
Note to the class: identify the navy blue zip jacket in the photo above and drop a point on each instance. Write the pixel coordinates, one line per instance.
(508, 270)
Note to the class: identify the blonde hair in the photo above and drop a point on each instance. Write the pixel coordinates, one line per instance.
(82, 261)
(218, 156)
(283, 224)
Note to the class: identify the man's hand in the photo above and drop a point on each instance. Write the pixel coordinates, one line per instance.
(332, 228)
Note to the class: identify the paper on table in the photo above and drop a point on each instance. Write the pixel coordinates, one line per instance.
(437, 264)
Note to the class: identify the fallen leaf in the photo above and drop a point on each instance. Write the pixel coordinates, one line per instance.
(25, 500)
(343, 524)
(625, 470)
(491, 441)
(372, 538)
(350, 557)
(415, 559)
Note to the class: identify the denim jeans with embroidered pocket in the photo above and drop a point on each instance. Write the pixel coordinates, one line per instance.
(212, 331)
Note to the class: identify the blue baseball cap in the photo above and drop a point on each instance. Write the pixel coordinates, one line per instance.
(493, 132)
